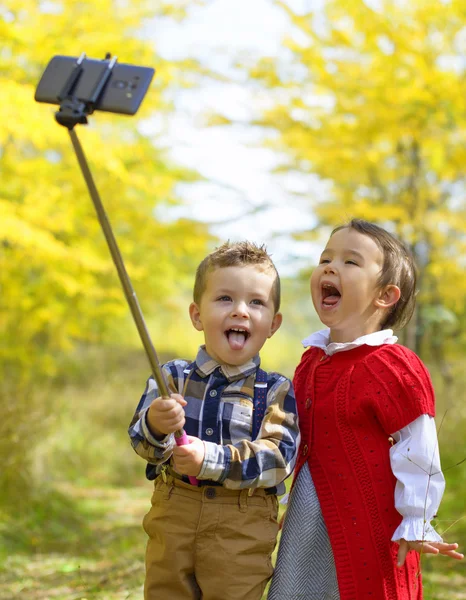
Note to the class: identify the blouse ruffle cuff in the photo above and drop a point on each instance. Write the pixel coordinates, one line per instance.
(412, 528)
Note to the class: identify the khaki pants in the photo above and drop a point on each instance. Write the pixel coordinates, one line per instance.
(208, 542)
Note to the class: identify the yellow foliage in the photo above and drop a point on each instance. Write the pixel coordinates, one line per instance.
(58, 283)
(378, 109)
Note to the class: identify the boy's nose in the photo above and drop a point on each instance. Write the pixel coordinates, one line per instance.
(240, 309)
(329, 268)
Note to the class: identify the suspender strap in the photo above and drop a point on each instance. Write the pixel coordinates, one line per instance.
(259, 406)
(260, 401)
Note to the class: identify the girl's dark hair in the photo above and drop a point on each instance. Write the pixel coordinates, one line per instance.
(398, 269)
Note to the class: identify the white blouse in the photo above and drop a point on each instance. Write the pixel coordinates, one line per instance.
(414, 459)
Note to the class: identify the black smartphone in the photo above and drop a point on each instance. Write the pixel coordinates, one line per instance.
(123, 92)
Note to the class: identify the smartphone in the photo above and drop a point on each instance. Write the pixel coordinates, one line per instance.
(123, 92)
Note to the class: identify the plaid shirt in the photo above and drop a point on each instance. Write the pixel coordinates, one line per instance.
(219, 411)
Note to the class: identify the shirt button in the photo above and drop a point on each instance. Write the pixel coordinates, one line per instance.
(209, 431)
(210, 493)
(308, 403)
(213, 393)
(304, 450)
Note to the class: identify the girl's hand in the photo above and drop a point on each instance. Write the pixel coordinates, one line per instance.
(427, 548)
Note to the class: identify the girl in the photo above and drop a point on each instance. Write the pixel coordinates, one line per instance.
(368, 478)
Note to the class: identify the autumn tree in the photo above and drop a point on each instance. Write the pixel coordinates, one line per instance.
(58, 285)
(370, 97)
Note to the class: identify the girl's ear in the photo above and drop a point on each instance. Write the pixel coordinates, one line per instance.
(388, 296)
(195, 315)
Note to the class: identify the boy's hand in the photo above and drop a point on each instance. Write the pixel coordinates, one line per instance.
(166, 415)
(427, 548)
(188, 459)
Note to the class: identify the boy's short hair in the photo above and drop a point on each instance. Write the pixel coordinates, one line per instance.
(236, 254)
(398, 269)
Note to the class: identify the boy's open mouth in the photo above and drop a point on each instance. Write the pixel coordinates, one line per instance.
(330, 295)
(237, 337)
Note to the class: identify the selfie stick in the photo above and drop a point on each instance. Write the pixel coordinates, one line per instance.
(73, 111)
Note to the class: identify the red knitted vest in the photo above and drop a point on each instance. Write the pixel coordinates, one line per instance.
(348, 406)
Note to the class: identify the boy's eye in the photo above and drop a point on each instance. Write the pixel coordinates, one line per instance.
(257, 301)
(351, 262)
(323, 261)
(224, 298)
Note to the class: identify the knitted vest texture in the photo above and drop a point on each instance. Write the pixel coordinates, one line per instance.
(348, 406)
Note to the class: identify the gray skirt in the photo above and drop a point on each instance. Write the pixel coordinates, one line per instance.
(305, 568)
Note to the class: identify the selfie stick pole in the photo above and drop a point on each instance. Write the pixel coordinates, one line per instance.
(118, 261)
(72, 112)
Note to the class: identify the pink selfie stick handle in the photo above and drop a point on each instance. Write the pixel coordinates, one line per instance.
(182, 440)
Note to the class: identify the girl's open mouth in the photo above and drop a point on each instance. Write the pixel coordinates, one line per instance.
(237, 337)
(330, 296)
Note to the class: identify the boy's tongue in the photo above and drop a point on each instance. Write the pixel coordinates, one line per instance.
(236, 340)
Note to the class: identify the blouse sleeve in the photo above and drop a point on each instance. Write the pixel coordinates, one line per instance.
(415, 462)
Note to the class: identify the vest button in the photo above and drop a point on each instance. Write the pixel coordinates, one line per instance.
(213, 393)
(308, 403)
(209, 431)
(305, 450)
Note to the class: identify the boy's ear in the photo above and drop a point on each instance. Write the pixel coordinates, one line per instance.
(195, 315)
(276, 322)
(388, 296)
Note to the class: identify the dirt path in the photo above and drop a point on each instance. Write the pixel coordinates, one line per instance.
(105, 560)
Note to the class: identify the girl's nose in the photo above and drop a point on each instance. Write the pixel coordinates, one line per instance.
(329, 268)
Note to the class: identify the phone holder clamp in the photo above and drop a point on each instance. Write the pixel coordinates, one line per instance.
(74, 111)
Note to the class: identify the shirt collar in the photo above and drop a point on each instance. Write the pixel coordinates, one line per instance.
(321, 339)
(206, 365)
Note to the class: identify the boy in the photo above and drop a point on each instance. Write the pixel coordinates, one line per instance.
(215, 540)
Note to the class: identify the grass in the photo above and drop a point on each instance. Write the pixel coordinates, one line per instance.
(99, 553)
(94, 550)
(85, 541)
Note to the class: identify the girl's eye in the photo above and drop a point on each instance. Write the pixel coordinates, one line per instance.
(224, 298)
(323, 261)
(257, 301)
(351, 262)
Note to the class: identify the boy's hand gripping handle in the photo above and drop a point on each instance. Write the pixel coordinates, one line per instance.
(181, 439)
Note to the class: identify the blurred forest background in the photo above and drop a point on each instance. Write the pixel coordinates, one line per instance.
(365, 110)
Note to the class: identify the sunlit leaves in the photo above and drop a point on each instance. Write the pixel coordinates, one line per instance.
(371, 96)
(58, 283)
